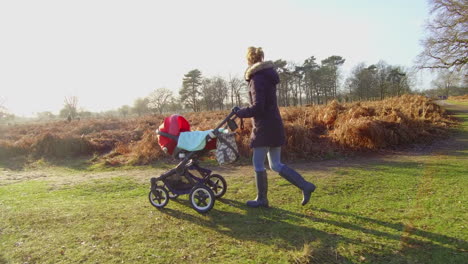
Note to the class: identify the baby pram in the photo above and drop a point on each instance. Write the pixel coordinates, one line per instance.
(188, 177)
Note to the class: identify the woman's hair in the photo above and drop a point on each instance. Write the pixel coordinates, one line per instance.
(254, 55)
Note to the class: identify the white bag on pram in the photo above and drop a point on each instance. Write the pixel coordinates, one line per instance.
(226, 148)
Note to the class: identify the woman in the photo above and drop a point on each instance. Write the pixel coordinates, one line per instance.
(268, 131)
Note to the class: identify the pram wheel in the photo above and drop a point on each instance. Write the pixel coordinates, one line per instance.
(217, 184)
(202, 198)
(158, 197)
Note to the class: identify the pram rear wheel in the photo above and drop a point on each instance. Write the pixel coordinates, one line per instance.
(217, 184)
(202, 198)
(158, 197)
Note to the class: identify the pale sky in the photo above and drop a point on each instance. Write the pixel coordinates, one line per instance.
(110, 52)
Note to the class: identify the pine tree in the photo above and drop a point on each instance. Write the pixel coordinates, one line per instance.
(189, 94)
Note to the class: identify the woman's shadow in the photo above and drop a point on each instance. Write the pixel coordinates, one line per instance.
(269, 226)
(288, 230)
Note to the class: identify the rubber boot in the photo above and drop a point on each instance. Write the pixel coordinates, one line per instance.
(297, 180)
(262, 189)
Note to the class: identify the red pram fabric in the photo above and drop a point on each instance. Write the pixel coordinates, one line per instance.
(174, 125)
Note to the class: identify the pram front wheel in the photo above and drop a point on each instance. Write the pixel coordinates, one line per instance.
(217, 184)
(202, 198)
(158, 197)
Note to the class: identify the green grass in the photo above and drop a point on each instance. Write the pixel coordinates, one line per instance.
(457, 102)
(410, 209)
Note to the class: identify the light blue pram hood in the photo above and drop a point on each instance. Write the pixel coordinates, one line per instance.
(196, 140)
(193, 140)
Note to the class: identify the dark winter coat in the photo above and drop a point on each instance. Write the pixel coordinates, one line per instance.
(268, 130)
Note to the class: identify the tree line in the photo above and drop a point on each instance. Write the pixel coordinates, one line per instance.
(303, 83)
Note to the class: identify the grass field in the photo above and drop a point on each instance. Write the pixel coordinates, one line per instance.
(401, 207)
(457, 102)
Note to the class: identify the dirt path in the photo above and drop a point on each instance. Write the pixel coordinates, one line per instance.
(320, 168)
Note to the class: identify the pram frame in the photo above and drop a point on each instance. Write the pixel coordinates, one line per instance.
(190, 163)
(191, 178)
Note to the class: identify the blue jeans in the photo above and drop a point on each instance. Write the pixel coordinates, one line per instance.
(274, 158)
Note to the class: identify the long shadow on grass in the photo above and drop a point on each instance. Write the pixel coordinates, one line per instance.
(290, 230)
(453, 250)
(272, 227)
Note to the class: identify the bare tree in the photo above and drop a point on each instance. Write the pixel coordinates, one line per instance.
(295, 79)
(207, 94)
(362, 82)
(446, 45)
(140, 106)
(2, 103)
(234, 86)
(213, 93)
(159, 99)
(3, 110)
(398, 81)
(71, 106)
(383, 70)
(124, 110)
(242, 90)
(377, 81)
(446, 81)
(220, 91)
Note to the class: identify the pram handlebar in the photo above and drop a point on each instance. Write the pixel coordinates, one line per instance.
(226, 120)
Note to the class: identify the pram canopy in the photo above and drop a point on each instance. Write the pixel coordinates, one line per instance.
(173, 125)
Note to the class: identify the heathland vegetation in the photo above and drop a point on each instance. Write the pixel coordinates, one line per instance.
(314, 131)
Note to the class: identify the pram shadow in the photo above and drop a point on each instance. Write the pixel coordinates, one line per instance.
(288, 230)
